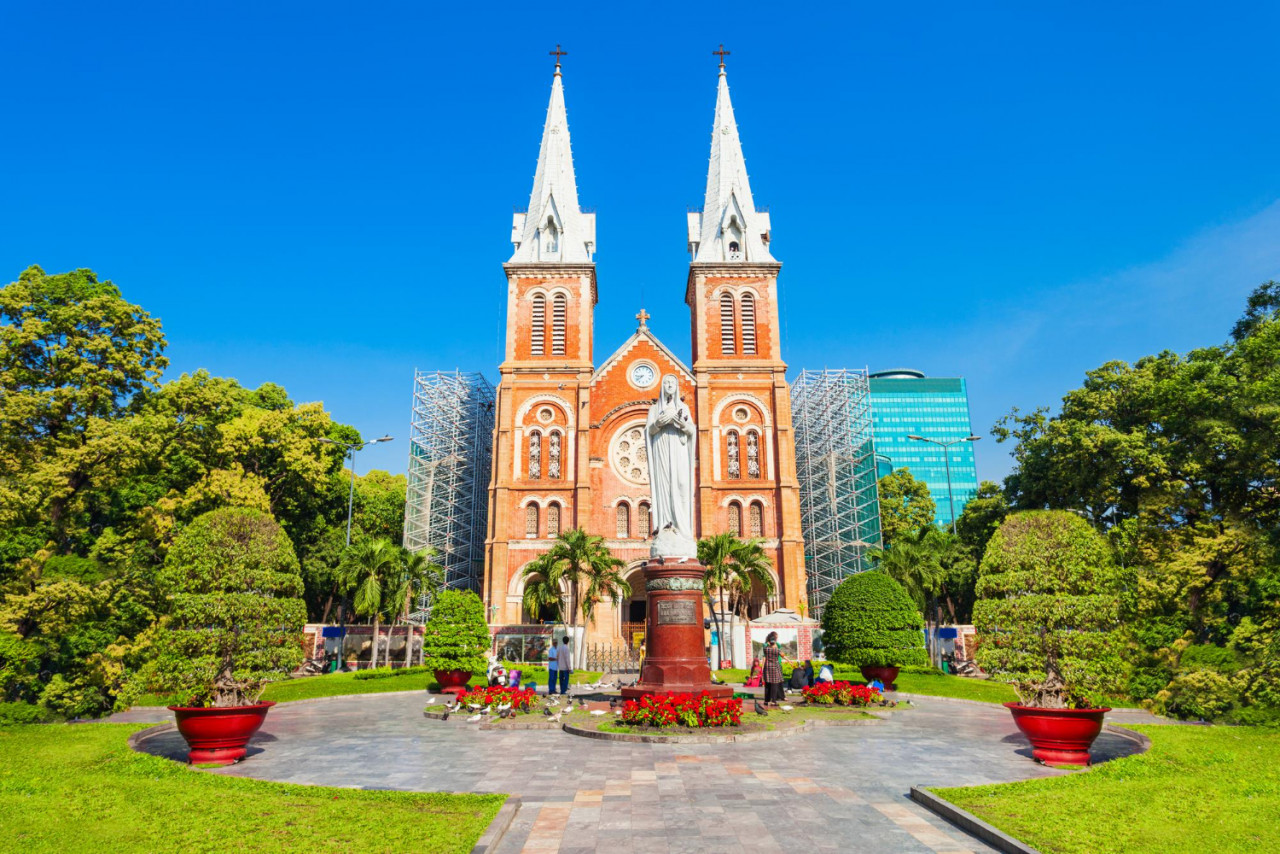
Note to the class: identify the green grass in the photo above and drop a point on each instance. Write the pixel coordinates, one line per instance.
(80, 788)
(932, 683)
(1197, 789)
(338, 684)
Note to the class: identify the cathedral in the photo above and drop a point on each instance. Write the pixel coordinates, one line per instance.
(569, 448)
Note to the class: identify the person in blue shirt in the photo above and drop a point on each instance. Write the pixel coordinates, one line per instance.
(553, 655)
(565, 663)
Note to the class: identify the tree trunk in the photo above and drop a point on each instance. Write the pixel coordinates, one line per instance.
(324, 618)
(377, 629)
(720, 623)
(408, 628)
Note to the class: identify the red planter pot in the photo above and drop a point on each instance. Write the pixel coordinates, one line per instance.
(219, 736)
(452, 681)
(886, 675)
(1058, 736)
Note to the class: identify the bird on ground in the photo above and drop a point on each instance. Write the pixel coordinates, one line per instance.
(504, 707)
(546, 710)
(505, 713)
(787, 708)
(555, 719)
(597, 711)
(613, 704)
(430, 700)
(473, 706)
(582, 704)
(474, 719)
(445, 716)
(760, 710)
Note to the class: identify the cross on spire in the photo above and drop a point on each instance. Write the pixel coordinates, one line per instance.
(643, 316)
(557, 53)
(722, 53)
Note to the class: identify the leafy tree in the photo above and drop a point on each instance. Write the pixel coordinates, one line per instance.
(456, 635)
(871, 621)
(575, 559)
(733, 568)
(236, 619)
(913, 562)
(419, 577)
(1048, 612)
(906, 508)
(372, 570)
(981, 516)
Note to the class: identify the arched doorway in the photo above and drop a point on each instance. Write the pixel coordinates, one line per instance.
(635, 608)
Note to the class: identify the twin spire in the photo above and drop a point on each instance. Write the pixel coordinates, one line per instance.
(554, 229)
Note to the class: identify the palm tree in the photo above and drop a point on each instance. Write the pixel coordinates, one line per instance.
(575, 558)
(914, 562)
(733, 567)
(371, 567)
(419, 576)
(754, 568)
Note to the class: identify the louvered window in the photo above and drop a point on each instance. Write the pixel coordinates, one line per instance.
(553, 520)
(757, 519)
(646, 527)
(538, 333)
(728, 345)
(735, 519)
(559, 311)
(535, 455)
(748, 323)
(624, 521)
(531, 520)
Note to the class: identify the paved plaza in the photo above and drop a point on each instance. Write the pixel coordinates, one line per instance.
(832, 789)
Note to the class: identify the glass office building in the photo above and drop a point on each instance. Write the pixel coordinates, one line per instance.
(904, 403)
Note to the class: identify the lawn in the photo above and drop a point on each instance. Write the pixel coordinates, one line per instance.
(933, 683)
(337, 684)
(70, 788)
(1198, 788)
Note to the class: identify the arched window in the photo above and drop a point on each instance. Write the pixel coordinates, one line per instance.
(757, 519)
(535, 455)
(538, 325)
(549, 236)
(728, 345)
(624, 520)
(748, 323)
(735, 250)
(734, 470)
(531, 520)
(553, 520)
(753, 455)
(553, 458)
(735, 518)
(559, 311)
(645, 527)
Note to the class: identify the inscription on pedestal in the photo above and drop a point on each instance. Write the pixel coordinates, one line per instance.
(679, 612)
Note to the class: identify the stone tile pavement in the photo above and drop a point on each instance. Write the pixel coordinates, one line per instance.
(833, 789)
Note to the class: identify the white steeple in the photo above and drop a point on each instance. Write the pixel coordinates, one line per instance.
(729, 228)
(554, 229)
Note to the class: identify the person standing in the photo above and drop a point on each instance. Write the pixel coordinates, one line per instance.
(772, 670)
(566, 664)
(553, 656)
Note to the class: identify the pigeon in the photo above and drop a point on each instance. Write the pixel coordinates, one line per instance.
(504, 707)
(555, 719)
(787, 708)
(617, 711)
(474, 719)
(445, 716)
(582, 704)
(430, 700)
(504, 713)
(453, 707)
(613, 704)
(546, 710)
(760, 710)
(473, 706)
(597, 711)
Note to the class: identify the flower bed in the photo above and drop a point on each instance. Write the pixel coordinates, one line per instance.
(841, 694)
(520, 699)
(681, 710)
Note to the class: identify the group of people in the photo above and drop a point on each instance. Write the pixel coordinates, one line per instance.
(559, 668)
(767, 671)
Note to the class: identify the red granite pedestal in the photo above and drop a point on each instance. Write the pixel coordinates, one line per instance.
(675, 656)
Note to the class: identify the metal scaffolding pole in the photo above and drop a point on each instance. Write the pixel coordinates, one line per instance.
(450, 459)
(835, 464)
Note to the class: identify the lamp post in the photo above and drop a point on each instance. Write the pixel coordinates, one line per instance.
(352, 447)
(946, 456)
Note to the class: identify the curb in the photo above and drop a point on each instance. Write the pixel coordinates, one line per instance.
(985, 703)
(498, 827)
(970, 823)
(150, 732)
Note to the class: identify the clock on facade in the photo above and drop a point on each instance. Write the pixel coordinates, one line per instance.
(643, 375)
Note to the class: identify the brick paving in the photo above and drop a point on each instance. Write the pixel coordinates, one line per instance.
(833, 789)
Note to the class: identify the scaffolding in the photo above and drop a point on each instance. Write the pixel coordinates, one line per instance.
(836, 467)
(450, 458)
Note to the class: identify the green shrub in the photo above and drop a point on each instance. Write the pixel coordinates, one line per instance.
(388, 672)
(1049, 611)
(456, 635)
(870, 620)
(236, 619)
(24, 713)
(1201, 694)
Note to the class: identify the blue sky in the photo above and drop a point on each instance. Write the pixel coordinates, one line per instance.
(319, 194)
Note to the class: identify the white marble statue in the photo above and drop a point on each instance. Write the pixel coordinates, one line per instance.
(670, 440)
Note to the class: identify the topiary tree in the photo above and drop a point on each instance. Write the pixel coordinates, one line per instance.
(236, 614)
(1048, 611)
(456, 633)
(871, 621)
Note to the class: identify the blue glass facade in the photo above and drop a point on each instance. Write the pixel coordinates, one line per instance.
(907, 403)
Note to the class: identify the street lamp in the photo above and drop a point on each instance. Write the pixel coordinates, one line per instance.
(946, 455)
(352, 447)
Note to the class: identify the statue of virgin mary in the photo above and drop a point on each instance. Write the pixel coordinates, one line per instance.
(670, 439)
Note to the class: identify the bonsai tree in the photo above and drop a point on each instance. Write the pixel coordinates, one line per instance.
(457, 635)
(236, 615)
(1048, 610)
(870, 621)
